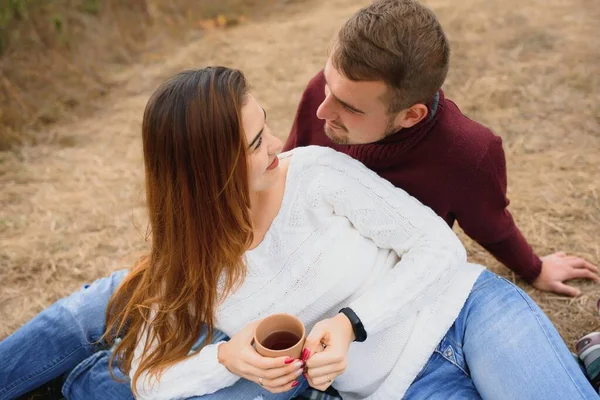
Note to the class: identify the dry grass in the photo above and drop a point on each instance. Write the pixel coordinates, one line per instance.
(72, 212)
(58, 57)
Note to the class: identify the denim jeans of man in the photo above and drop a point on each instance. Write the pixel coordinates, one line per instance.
(501, 346)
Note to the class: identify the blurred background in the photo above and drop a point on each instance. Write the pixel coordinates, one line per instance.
(75, 76)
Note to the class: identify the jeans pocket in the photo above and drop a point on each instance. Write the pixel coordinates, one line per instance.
(452, 353)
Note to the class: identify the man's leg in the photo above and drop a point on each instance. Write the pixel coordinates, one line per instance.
(511, 348)
(57, 339)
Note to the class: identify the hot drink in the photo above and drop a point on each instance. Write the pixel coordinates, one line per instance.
(280, 340)
(280, 335)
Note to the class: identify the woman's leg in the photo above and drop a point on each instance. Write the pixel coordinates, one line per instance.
(248, 390)
(442, 378)
(511, 348)
(91, 380)
(57, 339)
(501, 346)
(445, 376)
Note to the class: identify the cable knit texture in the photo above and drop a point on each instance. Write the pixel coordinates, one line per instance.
(344, 237)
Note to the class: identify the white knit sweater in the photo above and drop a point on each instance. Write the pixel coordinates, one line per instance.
(343, 237)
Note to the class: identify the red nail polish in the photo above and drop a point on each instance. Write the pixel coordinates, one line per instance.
(305, 354)
(289, 360)
(295, 383)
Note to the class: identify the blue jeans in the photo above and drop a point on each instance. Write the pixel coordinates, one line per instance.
(56, 340)
(501, 346)
(91, 380)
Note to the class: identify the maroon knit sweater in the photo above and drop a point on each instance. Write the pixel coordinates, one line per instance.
(450, 163)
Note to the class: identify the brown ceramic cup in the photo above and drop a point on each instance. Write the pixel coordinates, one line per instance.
(280, 335)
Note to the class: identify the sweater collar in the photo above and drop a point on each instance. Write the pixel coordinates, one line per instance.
(386, 151)
(415, 133)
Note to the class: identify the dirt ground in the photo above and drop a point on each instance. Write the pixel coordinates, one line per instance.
(73, 210)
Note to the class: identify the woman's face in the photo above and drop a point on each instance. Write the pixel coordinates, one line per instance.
(263, 147)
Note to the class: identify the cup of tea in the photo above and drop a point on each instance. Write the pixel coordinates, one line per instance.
(280, 335)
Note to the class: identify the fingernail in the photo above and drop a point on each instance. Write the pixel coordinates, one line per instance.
(299, 372)
(305, 354)
(295, 383)
(299, 365)
(289, 360)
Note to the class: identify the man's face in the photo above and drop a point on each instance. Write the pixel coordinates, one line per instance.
(354, 112)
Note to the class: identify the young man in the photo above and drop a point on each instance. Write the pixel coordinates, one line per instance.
(378, 100)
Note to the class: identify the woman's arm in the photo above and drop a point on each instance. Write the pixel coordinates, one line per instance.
(215, 367)
(197, 375)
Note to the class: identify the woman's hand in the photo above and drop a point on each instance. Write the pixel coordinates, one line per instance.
(275, 374)
(326, 351)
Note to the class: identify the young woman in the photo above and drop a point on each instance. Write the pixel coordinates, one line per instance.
(239, 233)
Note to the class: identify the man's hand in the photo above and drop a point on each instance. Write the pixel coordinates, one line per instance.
(558, 268)
(326, 351)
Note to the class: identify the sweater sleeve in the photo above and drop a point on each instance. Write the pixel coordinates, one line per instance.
(485, 218)
(199, 374)
(430, 252)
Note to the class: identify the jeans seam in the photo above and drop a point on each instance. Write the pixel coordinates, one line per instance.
(487, 283)
(45, 368)
(547, 337)
(424, 367)
(454, 343)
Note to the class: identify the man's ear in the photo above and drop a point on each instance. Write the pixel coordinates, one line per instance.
(411, 116)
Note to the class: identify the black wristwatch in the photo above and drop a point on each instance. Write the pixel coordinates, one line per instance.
(360, 334)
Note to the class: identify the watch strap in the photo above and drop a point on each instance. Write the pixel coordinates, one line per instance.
(360, 334)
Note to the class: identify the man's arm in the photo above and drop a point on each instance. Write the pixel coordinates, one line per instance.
(484, 216)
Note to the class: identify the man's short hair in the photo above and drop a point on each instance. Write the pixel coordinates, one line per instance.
(399, 42)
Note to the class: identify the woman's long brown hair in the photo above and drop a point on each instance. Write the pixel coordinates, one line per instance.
(198, 204)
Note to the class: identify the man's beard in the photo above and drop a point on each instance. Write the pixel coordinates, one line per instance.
(334, 138)
(390, 129)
